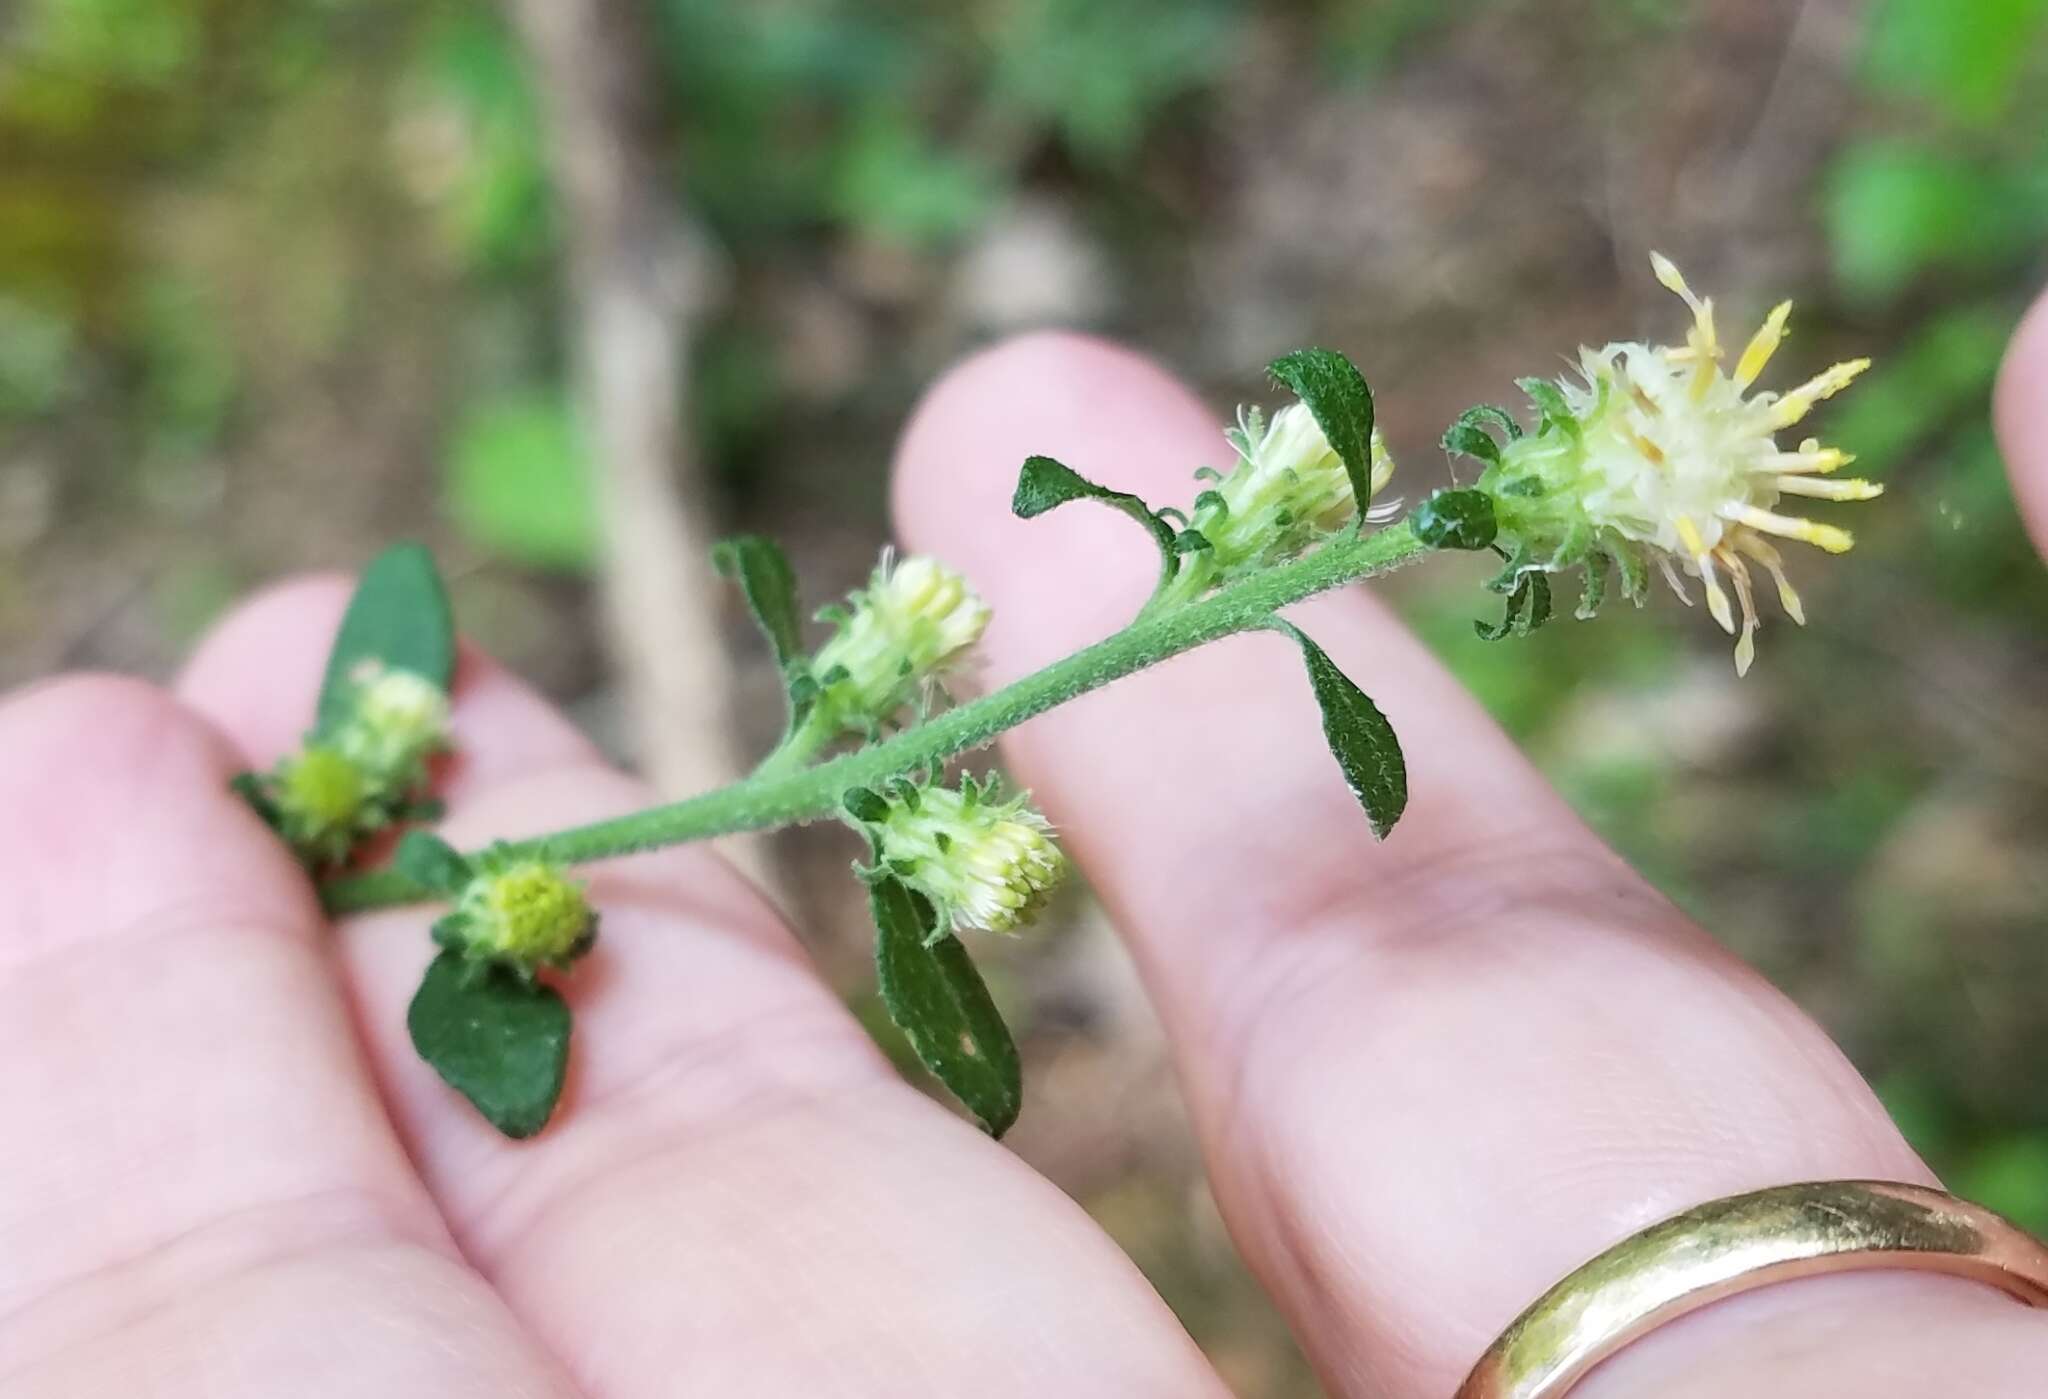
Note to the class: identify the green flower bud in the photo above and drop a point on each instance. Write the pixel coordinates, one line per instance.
(983, 862)
(521, 913)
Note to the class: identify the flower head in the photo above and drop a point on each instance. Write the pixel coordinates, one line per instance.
(324, 803)
(399, 720)
(1288, 489)
(1663, 452)
(983, 861)
(522, 913)
(915, 620)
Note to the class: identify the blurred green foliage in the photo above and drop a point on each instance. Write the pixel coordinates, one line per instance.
(519, 484)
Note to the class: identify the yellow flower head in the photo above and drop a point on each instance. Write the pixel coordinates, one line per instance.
(522, 913)
(1665, 452)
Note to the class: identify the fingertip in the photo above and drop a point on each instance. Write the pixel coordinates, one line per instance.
(2020, 409)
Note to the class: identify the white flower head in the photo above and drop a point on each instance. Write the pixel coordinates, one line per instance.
(1288, 490)
(1664, 453)
(399, 720)
(914, 621)
(984, 862)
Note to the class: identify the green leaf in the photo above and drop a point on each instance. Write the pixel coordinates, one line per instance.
(1468, 435)
(499, 1041)
(1340, 402)
(518, 481)
(1550, 402)
(399, 618)
(1360, 738)
(431, 862)
(1595, 589)
(1044, 484)
(1460, 519)
(1469, 440)
(1528, 608)
(939, 1001)
(865, 804)
(769, 584)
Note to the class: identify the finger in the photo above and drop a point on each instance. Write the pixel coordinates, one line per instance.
(1430, 1076)
(200, 1193)
(738, 1195)
(2022, 413)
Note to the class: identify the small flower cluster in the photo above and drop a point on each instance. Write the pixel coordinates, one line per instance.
(984, 861)
(1660, 453)
(521, 913)
(354, 778)
(915, 621)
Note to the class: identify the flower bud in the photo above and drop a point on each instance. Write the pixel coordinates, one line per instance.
(1288, 490)
(915, 620)
(983, 862)
(521, 913)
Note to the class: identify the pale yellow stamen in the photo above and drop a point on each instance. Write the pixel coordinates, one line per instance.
(1717, 600)
(1826, 384)
(1762, 345)
(1811, 457)
(1745, 645)
(1828, 537)
(1770, 558)
(1850, 489)
(1689, 535)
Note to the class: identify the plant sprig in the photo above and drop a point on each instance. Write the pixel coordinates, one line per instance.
(1613, 470)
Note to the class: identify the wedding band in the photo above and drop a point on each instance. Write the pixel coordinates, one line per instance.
(1737, 1245)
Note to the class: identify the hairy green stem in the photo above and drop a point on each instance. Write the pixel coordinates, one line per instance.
(778, 797)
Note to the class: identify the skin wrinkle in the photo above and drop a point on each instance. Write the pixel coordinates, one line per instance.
(257, 1236)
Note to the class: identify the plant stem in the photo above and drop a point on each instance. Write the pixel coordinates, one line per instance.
(777, 797)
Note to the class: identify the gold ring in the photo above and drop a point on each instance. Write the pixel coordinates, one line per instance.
(1739, 1244)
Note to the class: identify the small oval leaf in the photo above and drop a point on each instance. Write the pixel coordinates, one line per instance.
(1360, 738)
(1044, 484)
(1341, 404)
(499, 1041)
(941, 1004)
(768, 583)
(399, 618)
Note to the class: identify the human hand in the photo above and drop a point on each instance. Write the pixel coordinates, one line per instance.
(1429, 1077)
